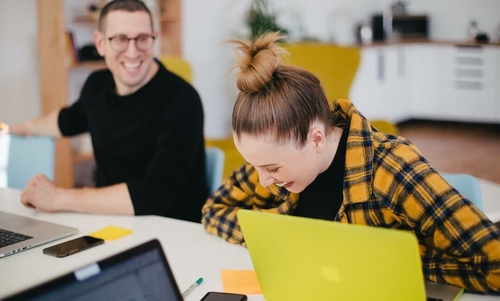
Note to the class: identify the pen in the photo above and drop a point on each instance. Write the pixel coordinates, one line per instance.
(192, 287)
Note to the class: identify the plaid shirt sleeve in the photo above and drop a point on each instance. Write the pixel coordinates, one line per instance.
(388, 183)
(242, 190)
(458, 243)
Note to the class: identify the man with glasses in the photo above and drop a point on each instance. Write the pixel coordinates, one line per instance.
(146, 126)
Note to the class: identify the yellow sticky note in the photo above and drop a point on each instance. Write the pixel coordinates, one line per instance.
(240, 282)
(111, 233)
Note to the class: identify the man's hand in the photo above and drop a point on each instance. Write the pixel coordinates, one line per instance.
(20, 129)
(44, 125)
(40, 193)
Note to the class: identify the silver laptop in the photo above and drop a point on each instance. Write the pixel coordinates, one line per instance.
(19, 233)
(139, 273)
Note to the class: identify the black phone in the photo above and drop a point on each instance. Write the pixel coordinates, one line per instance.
(73, 246)
(219, 296)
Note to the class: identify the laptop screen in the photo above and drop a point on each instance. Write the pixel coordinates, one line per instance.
(141, 273)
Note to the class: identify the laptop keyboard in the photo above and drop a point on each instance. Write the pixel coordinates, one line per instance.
(8, 238)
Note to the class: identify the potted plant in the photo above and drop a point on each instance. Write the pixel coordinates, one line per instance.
(260, 18)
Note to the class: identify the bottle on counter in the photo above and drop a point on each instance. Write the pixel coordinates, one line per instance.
(472, 30)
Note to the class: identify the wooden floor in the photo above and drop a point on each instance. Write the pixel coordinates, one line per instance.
(457, 147)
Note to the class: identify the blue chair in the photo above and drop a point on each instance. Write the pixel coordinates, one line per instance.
(25, 157)
(214, 167)
(468, 186)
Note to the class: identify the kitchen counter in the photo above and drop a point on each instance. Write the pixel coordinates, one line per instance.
(429, 41)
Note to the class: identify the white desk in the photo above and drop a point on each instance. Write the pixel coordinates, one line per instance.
(491, 199)
(191, 252)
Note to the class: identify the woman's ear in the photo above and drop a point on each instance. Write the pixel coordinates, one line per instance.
(318, 138)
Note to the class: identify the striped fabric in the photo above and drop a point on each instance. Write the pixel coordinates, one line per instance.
(387, 183)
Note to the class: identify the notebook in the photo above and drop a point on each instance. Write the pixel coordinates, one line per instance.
(19, 233)
(139, 273)
(298, 258)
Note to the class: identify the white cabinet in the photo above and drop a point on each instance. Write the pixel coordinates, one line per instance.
(470, 83)
(429, 81)
(380, 88)
(425, 87)
(367, 91)
(399, 73)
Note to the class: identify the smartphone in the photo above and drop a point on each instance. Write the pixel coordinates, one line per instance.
(218, 296)
(73, 246)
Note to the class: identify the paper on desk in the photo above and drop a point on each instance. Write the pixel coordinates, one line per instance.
(4, 127)
(240, 282)
(111, 233)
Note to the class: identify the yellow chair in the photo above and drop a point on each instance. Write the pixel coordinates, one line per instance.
(178, 66)
(335, 66)
(385, 126)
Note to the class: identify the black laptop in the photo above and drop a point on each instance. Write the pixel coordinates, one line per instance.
(140, 273)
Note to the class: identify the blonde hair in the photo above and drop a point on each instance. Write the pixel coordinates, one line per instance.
(275, 99)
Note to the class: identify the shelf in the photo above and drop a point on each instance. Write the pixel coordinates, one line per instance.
(170, 17)
(86, 19)
(91, 65)
(82, 157)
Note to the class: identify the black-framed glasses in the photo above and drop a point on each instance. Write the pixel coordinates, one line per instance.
(143, 42)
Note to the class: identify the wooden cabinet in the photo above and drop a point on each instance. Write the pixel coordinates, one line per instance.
(53, 79)
(54, 70)
(170, 26)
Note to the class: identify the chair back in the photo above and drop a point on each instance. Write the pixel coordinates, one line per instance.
(385, 126)
(22, 158)
(178, 66)
(468, 186)
(214, 158)
(335, 66)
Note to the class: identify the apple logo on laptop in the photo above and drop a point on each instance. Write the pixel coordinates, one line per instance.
(331, 273)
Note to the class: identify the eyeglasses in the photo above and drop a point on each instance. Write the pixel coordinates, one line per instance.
(143, 42)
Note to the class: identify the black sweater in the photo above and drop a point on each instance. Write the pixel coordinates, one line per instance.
(152, 140)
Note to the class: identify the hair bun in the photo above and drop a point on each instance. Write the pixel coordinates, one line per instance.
(257, 61)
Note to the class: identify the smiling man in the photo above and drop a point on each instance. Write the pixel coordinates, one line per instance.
(146, 126)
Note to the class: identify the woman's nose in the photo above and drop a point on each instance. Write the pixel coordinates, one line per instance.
(265, 179)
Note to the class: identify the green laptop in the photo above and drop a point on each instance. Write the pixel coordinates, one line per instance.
(298, 258)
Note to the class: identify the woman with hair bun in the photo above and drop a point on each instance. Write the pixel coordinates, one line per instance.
(310, 157)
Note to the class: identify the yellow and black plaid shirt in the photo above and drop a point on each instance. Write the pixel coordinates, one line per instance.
(387, 183)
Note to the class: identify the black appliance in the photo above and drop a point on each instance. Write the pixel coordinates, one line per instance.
(411, 26)
(406, 26)
(378, 27)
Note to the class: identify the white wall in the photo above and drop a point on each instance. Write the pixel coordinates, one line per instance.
(449, 18)
(19, 83)
(206, 27)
